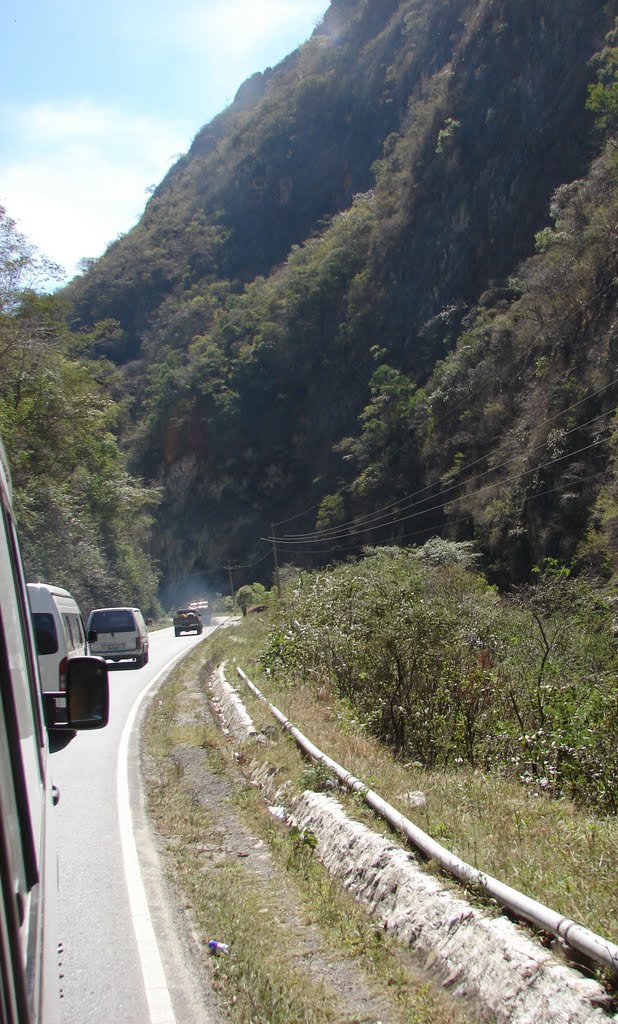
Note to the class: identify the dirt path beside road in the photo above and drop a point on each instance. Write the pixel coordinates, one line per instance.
(300, 948)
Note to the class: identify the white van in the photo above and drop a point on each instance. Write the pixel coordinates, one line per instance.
(59, 633)
(117, 634)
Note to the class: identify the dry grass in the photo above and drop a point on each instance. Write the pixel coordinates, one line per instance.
(552, 850)
(279, 918)
(225, 901)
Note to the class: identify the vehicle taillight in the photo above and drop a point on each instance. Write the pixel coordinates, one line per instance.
(137, 643)
(62, 673)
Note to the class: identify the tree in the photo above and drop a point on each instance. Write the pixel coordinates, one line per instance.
(85, 521)
(603, 97)
(22, 267)
(250, 594)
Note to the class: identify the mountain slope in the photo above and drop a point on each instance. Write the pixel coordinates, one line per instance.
(349, 209)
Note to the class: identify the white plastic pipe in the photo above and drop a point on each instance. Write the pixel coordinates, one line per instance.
(598, 949)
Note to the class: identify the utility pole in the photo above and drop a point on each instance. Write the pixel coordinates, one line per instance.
(229, 571)
(277, 580)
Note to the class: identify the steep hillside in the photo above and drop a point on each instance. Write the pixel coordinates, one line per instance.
(322, 246)
(295, 146)
(514, 429)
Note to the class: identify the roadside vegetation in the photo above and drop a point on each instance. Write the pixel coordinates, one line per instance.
(84, 520)
(448, 673)
(413, 672)
(489, 721)
(301, 950)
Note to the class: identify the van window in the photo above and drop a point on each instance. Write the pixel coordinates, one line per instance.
(113, 620)
(78, 631)
(66, 625)
(45, 633)
(73, 630)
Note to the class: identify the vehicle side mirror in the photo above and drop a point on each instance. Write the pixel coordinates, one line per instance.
(87, 693)
(92, 636)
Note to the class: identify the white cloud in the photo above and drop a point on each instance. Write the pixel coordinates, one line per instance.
(74, 173)
(83, 122)
(82, 175)
(235, 37)
(243, 26)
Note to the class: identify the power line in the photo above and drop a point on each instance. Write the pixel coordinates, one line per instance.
(458, 519)
(375, 518)
(377, 514)
(249, 565)
(553, 332)
(297, 515)
(434, 508)
(332, 533)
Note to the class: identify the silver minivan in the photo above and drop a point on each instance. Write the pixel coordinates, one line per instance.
(117, 634)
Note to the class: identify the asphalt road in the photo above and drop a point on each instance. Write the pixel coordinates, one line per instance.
(105, 975)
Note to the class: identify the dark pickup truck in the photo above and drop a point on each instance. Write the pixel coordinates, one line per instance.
(187, 620)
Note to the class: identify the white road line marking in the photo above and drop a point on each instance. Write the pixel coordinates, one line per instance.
(155, 983)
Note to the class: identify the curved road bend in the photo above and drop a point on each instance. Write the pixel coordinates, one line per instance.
(105, 975)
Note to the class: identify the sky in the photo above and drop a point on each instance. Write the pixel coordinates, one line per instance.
(98, 98)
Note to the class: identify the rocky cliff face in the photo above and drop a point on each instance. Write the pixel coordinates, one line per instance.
(456, 121)
(509, 126)
(300, 140)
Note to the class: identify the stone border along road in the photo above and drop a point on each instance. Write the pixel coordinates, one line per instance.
(498, 968)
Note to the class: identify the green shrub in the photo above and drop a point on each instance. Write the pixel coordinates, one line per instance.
(447, 672)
